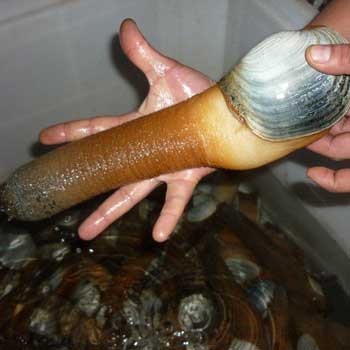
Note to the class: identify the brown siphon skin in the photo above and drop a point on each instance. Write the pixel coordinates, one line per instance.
(201, 131)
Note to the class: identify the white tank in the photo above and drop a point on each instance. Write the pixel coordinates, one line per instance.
(60, 60)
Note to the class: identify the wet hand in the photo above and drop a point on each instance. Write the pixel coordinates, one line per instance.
(333, 59)
(170, 82)
(330, 59)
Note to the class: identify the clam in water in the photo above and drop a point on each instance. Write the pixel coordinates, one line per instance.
(221, 282)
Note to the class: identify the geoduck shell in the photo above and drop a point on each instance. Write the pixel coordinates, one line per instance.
(279, 94)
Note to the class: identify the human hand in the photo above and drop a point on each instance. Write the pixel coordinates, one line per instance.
(330, 59)
(333, 59)
(170, 82)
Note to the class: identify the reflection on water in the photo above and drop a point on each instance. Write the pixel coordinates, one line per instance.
(221, 282)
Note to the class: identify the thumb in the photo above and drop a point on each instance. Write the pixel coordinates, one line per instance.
(330, 59)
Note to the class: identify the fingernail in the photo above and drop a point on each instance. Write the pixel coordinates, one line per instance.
(89, 228)
(51, 135)
(160, 236)
(321, 54)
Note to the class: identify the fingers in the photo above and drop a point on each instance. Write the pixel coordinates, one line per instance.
(333, 146)
(330, 180)
(75, 130)
(114, 207)
(341, 127)
(142, 54)
(330, 59)
(178, 195)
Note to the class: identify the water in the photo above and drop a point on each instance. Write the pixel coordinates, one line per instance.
(221, 282)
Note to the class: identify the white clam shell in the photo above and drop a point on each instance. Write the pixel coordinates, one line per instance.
(279, 94)
(261, 294)
(195, 312)
(243, 270)
(307, 342)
